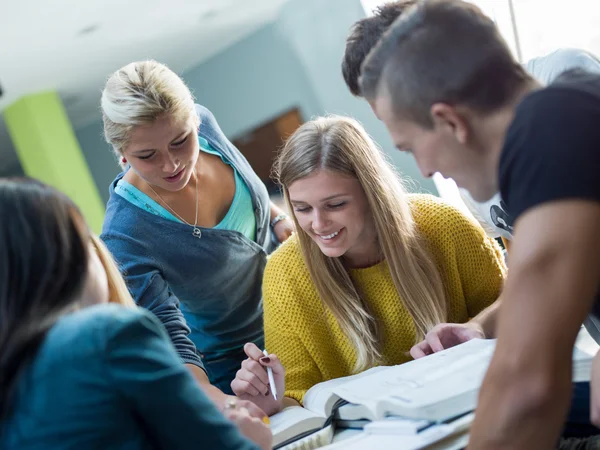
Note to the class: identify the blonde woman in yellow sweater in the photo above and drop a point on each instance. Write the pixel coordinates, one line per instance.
(369, 272)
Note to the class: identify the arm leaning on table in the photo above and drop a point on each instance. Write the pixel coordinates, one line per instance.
(293, 366)
(553, 281)
(150, 290)
(144, 369)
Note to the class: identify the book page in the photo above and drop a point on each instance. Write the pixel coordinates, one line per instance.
(436, 387)
(415, 374)
(316, 440)
(394, 441)
(320, 398)
(293, 421)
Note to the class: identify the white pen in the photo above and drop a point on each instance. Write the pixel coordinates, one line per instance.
(271, 379)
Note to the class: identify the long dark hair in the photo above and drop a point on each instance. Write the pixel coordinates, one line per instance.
(44, 245)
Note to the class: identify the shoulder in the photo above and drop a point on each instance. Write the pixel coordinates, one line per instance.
(121, 215)
(550, 151)
(286, 260)
(576, 90)
(287, 281)
(88, 331)
(208, 123)
(204, 113)
(110, 317)
(127, 232)
(445, 228)
(557, 117)
(433, 215)
(547, 68)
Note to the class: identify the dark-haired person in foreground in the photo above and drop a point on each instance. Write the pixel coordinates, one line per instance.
(474, 114)
(492, 214)
(76, 372)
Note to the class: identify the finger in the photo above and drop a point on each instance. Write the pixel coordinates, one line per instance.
(434, 342)
(232, 415)
(253, 380)
(257, 369)
(253, 410)
(421, 349)
(241, 387)
(274, 363)
(253, 351)
(239, 416)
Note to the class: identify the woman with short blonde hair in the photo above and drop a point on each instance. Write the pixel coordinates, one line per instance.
(188, 221)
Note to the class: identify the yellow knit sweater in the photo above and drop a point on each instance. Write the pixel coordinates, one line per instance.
(309, 341)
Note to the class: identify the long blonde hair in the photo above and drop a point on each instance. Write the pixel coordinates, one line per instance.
(117, 289)
(341, 145)
(138, 94)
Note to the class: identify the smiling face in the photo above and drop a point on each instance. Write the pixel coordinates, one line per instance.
(164, 153)
(333, 210)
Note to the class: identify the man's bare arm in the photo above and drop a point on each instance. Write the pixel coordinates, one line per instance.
(488, 319)
(553, 280)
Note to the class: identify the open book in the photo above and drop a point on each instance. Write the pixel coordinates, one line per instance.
(295, 423)
(436, 388)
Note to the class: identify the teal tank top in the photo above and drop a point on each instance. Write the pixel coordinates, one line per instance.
(240, 216)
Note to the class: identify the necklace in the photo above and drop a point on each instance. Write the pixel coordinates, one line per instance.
(196, 232)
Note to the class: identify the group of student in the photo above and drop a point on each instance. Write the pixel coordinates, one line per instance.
(360, 274)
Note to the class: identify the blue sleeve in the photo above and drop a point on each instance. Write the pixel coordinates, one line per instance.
(150, 290)
(145, 370)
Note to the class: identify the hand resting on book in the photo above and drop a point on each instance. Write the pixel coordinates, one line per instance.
(446, 335)
(252, 382)
(251, 427)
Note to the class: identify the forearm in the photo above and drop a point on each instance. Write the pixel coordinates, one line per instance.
(211, 391)
(487, 319)
(520, 408)
(551, 287)
(526, 393)
(275, 211)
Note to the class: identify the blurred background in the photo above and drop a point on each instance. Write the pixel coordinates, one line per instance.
(261, 66)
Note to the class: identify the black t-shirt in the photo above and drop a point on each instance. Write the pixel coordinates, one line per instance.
(552, 151)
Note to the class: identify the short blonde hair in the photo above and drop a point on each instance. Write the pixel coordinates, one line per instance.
(138, 94)
(117, 289)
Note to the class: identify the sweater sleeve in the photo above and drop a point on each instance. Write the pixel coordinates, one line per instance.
(150, 290)
(471, 263)
(282, 336)
(146, 372)
(479, 261)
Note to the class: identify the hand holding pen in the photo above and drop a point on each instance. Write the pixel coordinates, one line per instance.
(252, 380)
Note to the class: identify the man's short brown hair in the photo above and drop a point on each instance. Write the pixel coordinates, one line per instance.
(364, 35)
(442, 51)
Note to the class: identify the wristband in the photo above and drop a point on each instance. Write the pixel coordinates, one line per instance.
(278, 219)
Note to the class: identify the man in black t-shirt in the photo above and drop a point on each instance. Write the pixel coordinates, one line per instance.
(449, 91)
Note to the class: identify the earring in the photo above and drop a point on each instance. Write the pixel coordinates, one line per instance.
(124, 161)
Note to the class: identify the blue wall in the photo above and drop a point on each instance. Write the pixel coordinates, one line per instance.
(244, 86)
(100, 158)
(293, 62)
(318, 29)
(253, 81)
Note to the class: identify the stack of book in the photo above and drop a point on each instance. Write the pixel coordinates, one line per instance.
(416, 403)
